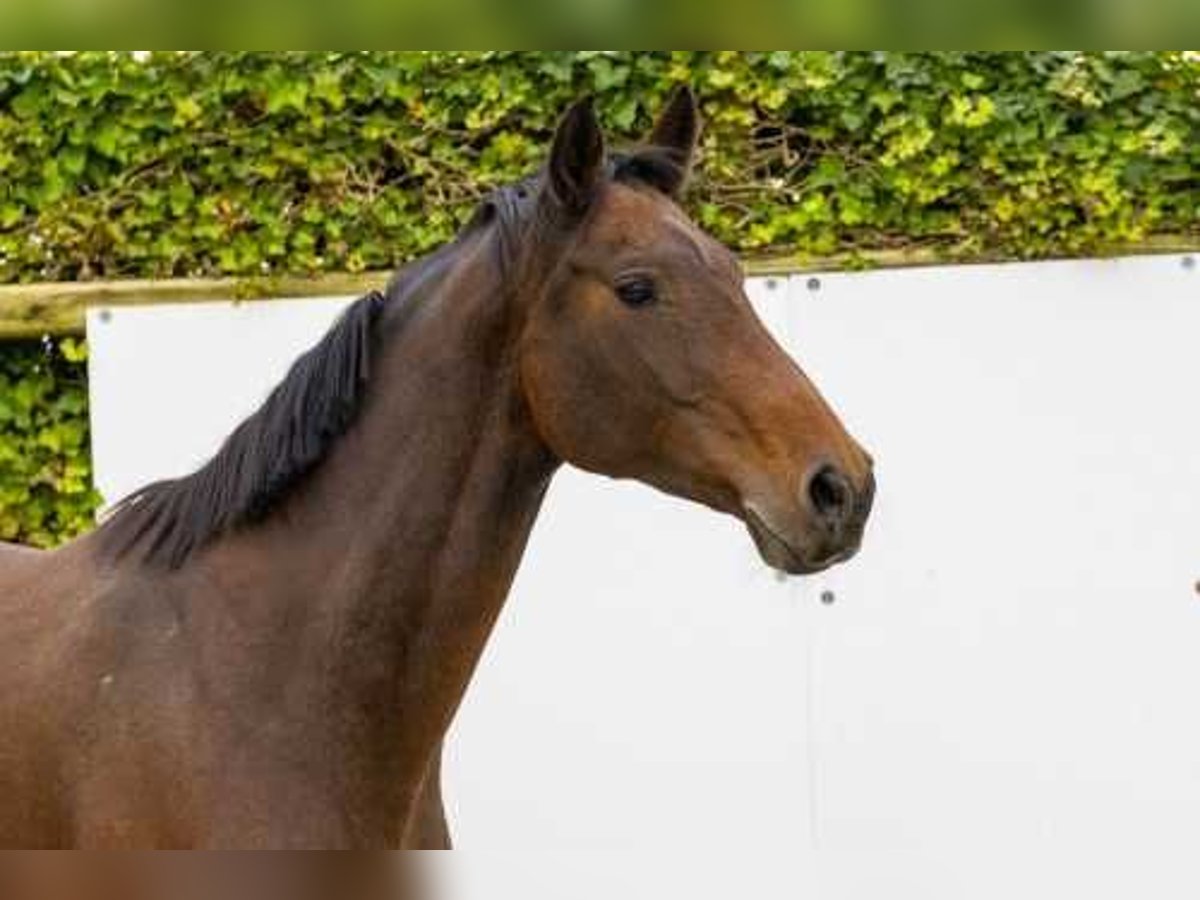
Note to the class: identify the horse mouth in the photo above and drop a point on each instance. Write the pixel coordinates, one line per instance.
(779, 553)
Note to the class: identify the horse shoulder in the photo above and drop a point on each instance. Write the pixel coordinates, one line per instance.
(16, 562)
(10, 550)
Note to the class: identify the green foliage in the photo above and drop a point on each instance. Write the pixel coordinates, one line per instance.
(45, 468)
(241, 163)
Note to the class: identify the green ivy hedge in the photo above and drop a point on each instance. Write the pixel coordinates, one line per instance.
(236, 163)
(114, 164)
(45, 469)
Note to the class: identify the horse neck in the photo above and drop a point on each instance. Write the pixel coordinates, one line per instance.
(392, 563)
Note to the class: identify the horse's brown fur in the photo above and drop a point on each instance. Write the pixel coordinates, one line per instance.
(210, 876)
(280, 673)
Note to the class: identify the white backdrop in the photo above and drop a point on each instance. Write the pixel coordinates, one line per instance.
(1002, 697)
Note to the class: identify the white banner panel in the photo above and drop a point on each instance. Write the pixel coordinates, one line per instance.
(1001, 701)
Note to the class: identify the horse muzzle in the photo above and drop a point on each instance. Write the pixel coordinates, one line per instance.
(825, 530)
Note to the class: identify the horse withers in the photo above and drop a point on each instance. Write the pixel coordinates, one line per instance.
(266, 654)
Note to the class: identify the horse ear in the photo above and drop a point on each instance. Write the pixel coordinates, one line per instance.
(577, 158)
(677, 131)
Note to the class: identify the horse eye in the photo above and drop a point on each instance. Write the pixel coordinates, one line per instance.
(637, 292)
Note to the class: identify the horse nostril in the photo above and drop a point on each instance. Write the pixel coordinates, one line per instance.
(831, 495)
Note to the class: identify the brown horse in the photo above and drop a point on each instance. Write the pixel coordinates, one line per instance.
(364, 875)
(267, 653)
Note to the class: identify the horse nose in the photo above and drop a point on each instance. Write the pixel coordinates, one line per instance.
(831, 496)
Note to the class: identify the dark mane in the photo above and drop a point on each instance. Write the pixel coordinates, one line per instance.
(264, 457)
(319, 399)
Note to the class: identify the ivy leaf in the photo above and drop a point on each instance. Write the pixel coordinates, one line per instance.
(187, 110)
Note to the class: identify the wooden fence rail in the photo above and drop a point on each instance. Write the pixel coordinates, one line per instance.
(33, 310)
